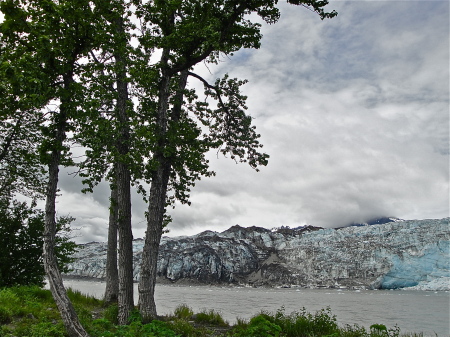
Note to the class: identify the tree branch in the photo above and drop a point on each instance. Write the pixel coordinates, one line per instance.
(206, 84)
(10, 138)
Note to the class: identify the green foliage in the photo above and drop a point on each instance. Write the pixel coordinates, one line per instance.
(210, 317)
(378, 327)
(300, 323)
(111, 313)
(259, 326)
(104, 328)
(380, 330)
(21, 242)
(77, 296)
(5, 315)
(183, 311)
(184, 328)
(47, 329)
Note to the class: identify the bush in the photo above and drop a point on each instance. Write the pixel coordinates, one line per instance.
(158, 328)
(301, 323)
(210, 317)
(21, 244)
(111, 313)
(5, 315)
(260, 326)
(183, 328)
(77, 296)
(183, 312)
(45, 329)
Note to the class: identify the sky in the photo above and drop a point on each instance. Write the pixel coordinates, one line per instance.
(353, 111)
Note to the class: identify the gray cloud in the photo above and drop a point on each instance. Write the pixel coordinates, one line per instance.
(353, 112)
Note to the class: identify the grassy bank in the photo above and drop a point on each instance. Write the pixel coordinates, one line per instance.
(31, 311)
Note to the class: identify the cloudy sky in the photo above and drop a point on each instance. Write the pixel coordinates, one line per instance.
(353, 111)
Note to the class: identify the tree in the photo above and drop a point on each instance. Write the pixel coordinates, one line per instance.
(164, 138)
(21, 241)
(189, 32)
(108, 155)
(52, 37)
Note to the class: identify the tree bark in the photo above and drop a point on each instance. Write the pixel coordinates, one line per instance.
(112, 276)
(125, 272)
(68, 314)
(123, 180)
(156, 208)
(157, 200)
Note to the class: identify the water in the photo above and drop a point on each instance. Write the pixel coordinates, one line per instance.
(412, 311)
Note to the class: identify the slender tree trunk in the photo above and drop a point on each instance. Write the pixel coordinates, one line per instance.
(157, 202)
(125, 299)
(123, 181)
(112, 276)
(68, 314)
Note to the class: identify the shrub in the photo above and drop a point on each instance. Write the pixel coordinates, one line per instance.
(78, 297)
(378, 327)
(259, 326)
(46, 329)
(5, 315)
(302, 323)
(101, 324)
(210, 317)
(111, 313)
(183, 328)
(158, 328)
(353, 331)
(183, 312)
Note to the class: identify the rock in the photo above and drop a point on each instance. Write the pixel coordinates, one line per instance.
(389, 255)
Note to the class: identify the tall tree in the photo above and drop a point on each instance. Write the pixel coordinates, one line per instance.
(189, 32)
(122, 173)
(53, 37)
(109, 152)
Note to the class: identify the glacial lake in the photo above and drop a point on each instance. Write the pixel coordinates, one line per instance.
(411, 310)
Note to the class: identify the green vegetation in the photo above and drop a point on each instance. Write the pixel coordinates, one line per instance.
(31, 311)
(21, 242)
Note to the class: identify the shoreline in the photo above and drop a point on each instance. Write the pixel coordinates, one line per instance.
(188, 282)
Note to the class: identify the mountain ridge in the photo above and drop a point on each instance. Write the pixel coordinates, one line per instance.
(398, 254)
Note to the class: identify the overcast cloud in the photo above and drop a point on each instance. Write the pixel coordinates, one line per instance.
(353, 111)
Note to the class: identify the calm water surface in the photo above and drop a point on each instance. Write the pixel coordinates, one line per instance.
(412, 311)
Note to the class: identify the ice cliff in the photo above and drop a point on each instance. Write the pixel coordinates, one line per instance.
(412, 253)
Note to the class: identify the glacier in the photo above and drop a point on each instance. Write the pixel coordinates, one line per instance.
(412, 254)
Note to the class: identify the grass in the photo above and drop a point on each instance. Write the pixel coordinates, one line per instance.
(31, 312)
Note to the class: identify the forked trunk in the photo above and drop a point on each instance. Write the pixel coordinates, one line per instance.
(65, 307)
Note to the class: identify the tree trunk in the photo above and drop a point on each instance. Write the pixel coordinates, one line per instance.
(112, 276)
(125, 299)
(68, 314)
(157, 201)
(123, 181)
(156, 209)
